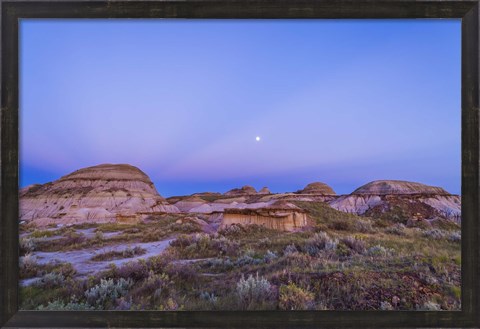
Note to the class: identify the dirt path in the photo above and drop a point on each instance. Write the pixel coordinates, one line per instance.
(81, 259)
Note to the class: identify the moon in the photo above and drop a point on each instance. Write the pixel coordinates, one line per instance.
(257, 138)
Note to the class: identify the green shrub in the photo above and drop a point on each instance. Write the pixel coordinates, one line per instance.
(435, 233)
(364, 226)
(107, 292)
(319, 242)
(28, 244)
(65, 269)
(455, 236)
(290, 249)
(153, 290)
(220, 264)
(269, 256)
(254, 292)
(247, 260)
(379, 251)
(429, 306)
(43, 234)
(231, 230)
(355, 244)
(51, 280)
(135, 270)
(204, 245)
(114, 254)
(209, 298)
(386, 306)
(28, 266)
(396, 229)
(292, 298)
(343, 225)
(58, 305)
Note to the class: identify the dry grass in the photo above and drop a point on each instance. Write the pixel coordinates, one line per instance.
(343, 262)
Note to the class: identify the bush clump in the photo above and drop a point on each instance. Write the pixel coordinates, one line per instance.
(136, 270)
(435, 233)
(290, 249)
(107, 292)
(319, 242)
(429, 306)
(204, 245)
(364, 226)
(379, 251)
(209, 298)
(51, 280)
(220, 264)
(354, 244)
(254, 292)
(28, 266)
(155, 288)
(269, 256)
(129, 252)
(292, 297)
(58, 305)
(343, 224)
(28, 245)
(455, 236)
(396, 229)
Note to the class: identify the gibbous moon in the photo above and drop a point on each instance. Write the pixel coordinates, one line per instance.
(257, 139)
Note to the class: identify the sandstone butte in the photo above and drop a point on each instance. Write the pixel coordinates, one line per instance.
(384, 187)
(244, 190)
(280, 215)
(422, 200)
(264, 190)
(317, 188)
(103, 193)
(123, 193)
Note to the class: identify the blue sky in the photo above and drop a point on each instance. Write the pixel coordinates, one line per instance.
(344, 102)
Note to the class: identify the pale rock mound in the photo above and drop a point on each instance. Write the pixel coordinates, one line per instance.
(384, 187)
(221, 206)
(244, 190)
(317, 188)
(280, 215)
(356, 204)
(414, 199)
(185, 205)
(102, 193)
(265, 190)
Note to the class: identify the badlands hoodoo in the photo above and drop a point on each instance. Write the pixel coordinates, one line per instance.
(103, 193)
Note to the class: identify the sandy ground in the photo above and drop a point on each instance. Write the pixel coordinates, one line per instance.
(80, 259)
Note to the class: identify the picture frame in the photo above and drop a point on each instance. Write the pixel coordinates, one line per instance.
(13, 11)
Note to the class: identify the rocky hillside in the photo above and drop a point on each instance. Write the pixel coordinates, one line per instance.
(395, 187)
(107, 192)
(244, 190)
(384, 198)
(264, 190)
(100, 193)
(317, 188)
(400, 198)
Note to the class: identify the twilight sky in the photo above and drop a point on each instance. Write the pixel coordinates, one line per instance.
(342, 102)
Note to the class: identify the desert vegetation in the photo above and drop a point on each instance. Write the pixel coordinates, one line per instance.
(340, 261)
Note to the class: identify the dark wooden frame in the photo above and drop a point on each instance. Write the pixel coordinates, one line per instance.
(467, 11)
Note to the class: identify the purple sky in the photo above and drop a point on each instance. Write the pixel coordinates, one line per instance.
(342, 102)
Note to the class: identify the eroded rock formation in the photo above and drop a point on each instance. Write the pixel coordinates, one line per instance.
(102, 193)
(244, 190)
(265, 190)
(317, 188)
(281, 215)
(395, 187)
(401, 198)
